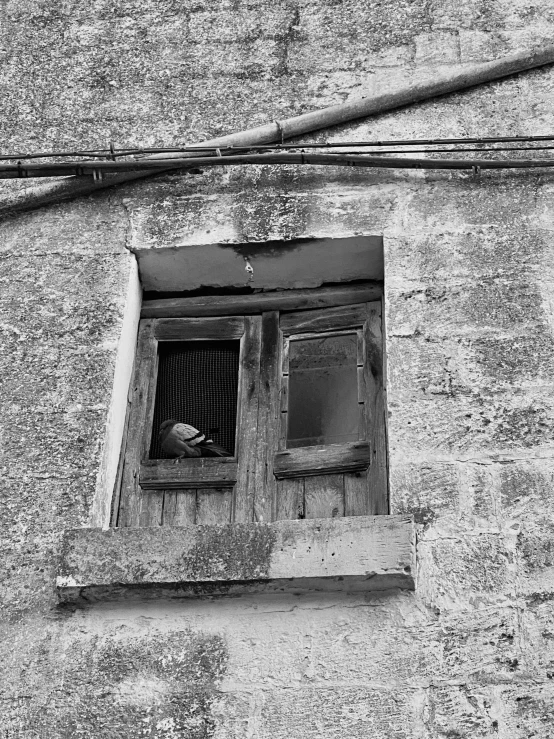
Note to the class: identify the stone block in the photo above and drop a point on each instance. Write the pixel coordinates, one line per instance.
(314, 711)
(481, 46)
(481, 645)
(480, 419)
(425, 489)
(364, 26)
(238, 25)
(526, 487)
(439, 47)
(464, 563)
(241, 60)
(536, 549)
(527, 710)
(460, 711)
(479, 310)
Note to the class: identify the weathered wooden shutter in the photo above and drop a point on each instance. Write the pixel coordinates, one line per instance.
(337, 479)
(157, 492)
(268, 478)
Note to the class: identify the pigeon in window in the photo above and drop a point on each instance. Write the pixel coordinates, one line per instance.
(183, 440)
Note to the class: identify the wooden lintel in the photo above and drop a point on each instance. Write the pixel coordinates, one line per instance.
(223, 328)
(229, 305)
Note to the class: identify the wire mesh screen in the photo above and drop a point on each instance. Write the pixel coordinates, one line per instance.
(198, 384)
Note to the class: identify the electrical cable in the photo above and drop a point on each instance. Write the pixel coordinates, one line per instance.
(99, 169)
(112, 152)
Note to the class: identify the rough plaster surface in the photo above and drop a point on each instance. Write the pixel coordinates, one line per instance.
(470, 315)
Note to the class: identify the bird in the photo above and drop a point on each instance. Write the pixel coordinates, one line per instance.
(183, 440)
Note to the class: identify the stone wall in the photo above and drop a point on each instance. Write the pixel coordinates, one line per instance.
(470, 315)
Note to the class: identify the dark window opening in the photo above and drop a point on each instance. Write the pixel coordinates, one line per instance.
(198, 384)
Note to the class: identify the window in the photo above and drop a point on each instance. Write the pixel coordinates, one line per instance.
(197, 380)
(289, 379)
(290, 383)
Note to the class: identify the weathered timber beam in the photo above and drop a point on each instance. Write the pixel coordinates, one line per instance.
(202, 473)
(229, 305)
(362, 107)
(361, 553)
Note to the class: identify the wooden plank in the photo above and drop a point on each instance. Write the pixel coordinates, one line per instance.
(213, 506)
(151, 512)
(373, 336)
(372, 552)
(283, 381)
(204, 472)
(140, 423)
(327, 319)
(179, 508)
(268, 418)
(229, 305)
(116, 495)
(355, 494)
(362, 370)
(314, 460)
(247, 420)
(290, 499)
(188, 329)
(283, 418)
(378, 472)
(324, 496)
(363, 420)
(285, 352)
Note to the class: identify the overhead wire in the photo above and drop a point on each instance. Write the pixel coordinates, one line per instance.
(112, 153)
(98, 169)
(447, 150)
(97, 163)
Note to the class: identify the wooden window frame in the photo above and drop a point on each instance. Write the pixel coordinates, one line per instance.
(158, 476)
(266, 476)
(330, 458)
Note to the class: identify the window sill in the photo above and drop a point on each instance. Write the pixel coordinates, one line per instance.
(316, 460)
(359, 553)
(202, 472)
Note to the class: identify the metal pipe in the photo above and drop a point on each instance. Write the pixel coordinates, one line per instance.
(308, 122)
(366, 106)
(403, 142)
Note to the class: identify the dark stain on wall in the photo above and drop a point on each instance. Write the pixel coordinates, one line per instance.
(537, 546)
(257, 218)
(516, 359)
(525, 426)
(525, 481)
(424, 516)
(535, 712)
(504, 302)
(160, 687)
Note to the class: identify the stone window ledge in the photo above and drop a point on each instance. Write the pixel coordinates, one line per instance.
(359, 553)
